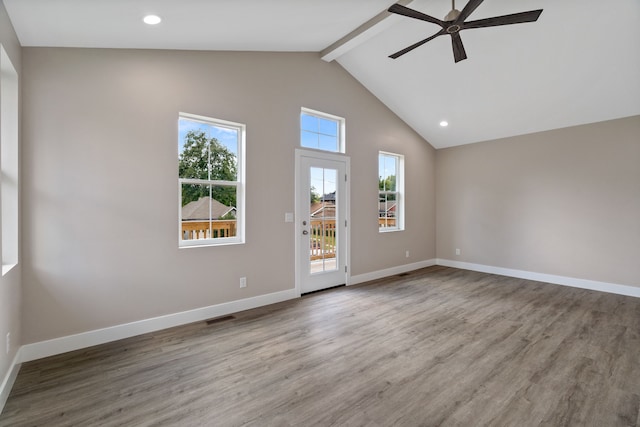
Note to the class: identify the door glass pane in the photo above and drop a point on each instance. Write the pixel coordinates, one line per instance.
(322, 220)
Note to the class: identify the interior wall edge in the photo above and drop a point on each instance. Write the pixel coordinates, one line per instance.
(612, 288)
(11, 283)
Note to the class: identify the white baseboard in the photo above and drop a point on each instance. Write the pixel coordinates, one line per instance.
(9, 379)
(379, 274)
(60, 345)
(612, 288)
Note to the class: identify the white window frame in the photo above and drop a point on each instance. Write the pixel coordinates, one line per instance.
(239, 184)
(399, 193)
(9, 164)
(341, 129)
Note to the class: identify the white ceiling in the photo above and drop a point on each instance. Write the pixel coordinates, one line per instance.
(262, 25)
(579, 63)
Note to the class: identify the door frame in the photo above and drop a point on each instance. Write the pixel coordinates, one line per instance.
(322, 155)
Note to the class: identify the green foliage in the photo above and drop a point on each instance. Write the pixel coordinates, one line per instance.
(388, 184)
(206, 158)
(315, 197)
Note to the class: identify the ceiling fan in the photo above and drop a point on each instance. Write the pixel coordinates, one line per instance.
(454, 22)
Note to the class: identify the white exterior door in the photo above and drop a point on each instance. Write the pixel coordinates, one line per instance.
(321, 220)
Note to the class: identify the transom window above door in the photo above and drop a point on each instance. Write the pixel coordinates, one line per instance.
(321, 131)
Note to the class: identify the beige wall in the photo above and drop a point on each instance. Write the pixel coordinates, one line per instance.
(564, 202)
(10, 284)
(100, 184)
(100, 190)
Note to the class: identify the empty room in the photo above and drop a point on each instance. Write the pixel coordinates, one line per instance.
(191, 235)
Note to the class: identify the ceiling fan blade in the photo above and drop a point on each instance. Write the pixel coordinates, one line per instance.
(468, 10)
(403, 10)
(415, 45)
(458, 48)
(515, 18)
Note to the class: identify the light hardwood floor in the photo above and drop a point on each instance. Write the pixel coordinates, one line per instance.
(439, 346)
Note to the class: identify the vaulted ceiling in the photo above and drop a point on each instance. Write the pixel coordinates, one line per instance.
(579, 63)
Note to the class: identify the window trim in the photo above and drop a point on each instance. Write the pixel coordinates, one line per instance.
(9, 164)
(341, 129)
(239, 184)
(400, 195)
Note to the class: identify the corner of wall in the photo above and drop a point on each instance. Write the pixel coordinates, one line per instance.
(9, 379)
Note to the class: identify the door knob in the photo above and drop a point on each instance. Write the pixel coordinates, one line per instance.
(305, 232)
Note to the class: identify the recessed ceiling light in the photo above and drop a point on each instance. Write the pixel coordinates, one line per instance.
(444, 123)
(152, 19)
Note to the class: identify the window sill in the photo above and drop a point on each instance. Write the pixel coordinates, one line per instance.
(389, 230)
(209, 243)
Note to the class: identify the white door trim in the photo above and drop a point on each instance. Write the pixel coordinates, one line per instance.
(298, 226)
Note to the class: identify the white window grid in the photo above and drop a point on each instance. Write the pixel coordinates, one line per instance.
(239, 185)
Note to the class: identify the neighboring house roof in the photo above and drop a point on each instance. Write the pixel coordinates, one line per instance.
(203, 207)
(330, 197)
(323, 210)
(388, 208)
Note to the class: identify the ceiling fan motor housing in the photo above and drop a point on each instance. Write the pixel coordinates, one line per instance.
(453, 15)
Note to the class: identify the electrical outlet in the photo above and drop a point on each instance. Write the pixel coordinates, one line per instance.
(243, 282)
(406, 254)
(457, 251)
(8, 342)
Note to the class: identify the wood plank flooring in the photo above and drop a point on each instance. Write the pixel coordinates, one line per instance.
(438, 347)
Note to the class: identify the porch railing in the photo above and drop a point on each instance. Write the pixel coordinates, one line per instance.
(386, 222)
(320, 248)
(193, 230)
(323, 238)
(326, 247)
